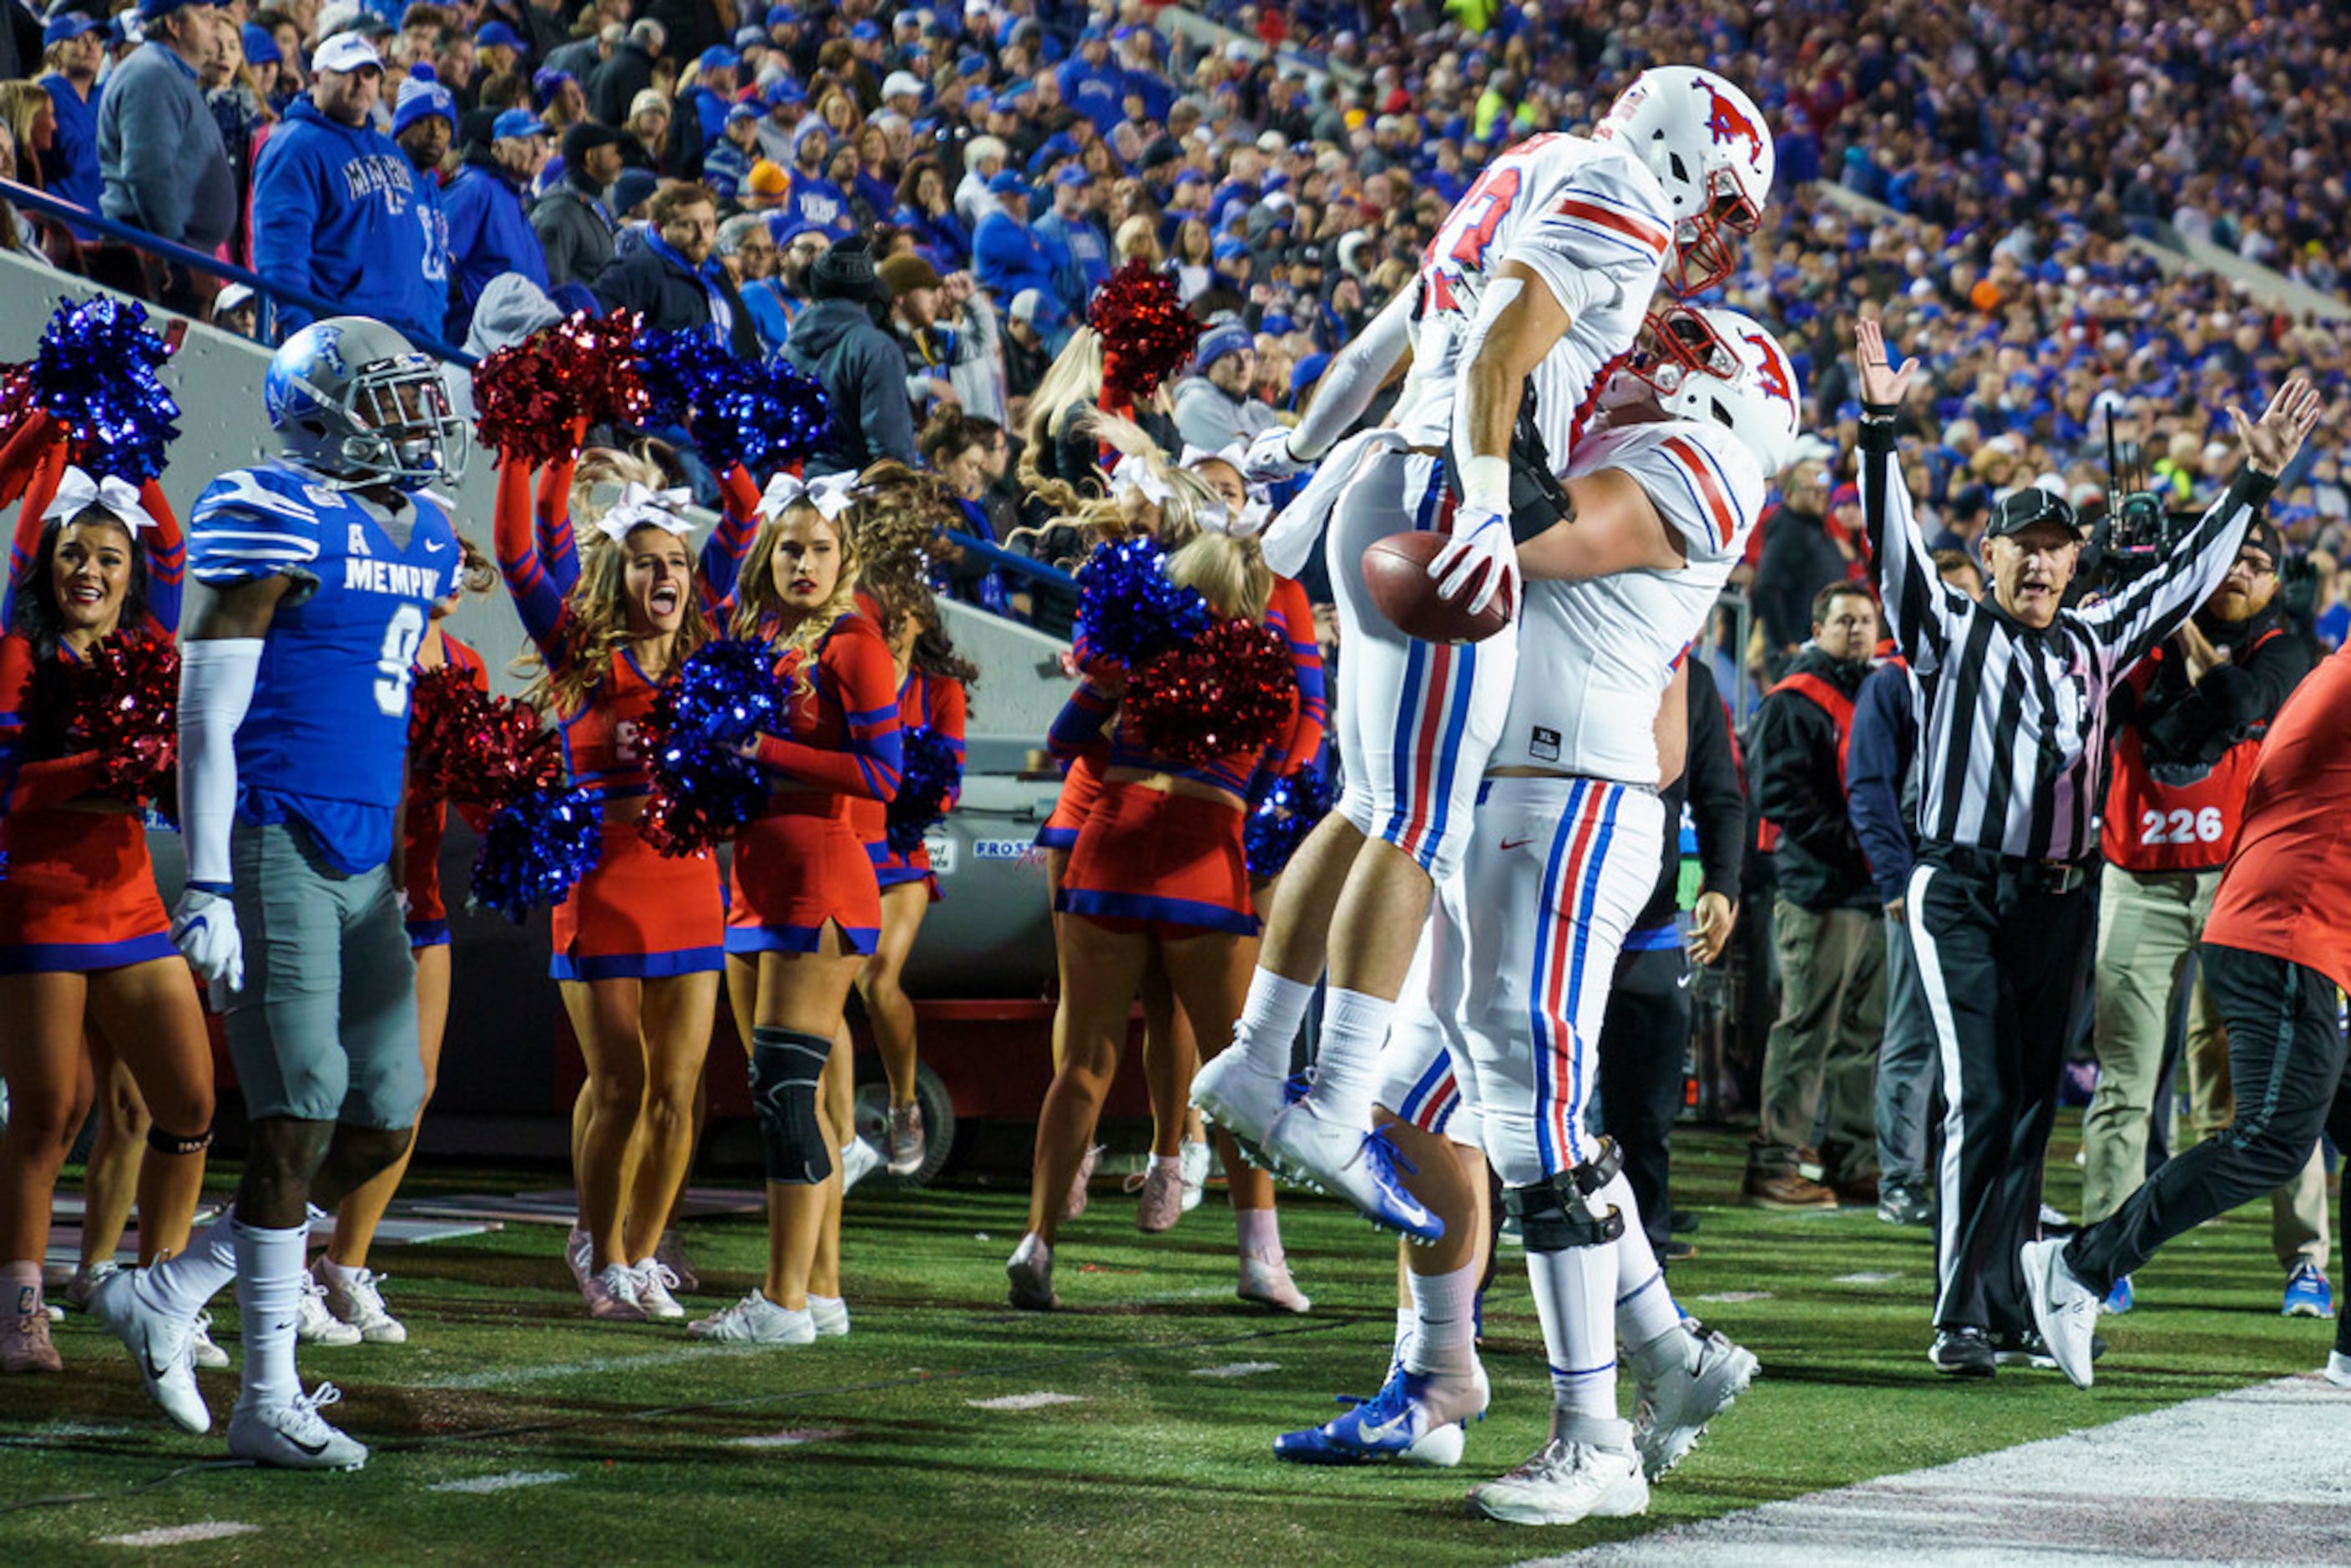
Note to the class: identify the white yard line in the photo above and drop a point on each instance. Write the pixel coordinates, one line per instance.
(2253, 1476)
(479, 1485)
(509, 1377)
(1036, 1401)
(181, 1534)
(1236, 1369)
(793, 1438)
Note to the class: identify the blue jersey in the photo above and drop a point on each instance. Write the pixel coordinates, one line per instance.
(326, 738)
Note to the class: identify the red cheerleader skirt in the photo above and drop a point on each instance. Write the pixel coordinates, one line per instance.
(78, 893)
(640, 914)
(1172, 863)
(796, 868)
(1080, 785)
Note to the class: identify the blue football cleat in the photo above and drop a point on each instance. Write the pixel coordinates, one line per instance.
(2121, 1298)
(1364, 1168)
(1392, 1425)
(2307, 1293)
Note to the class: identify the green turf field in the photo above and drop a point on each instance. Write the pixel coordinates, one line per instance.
(1152, 1462)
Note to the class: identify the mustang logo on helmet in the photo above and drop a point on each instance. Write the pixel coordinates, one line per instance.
(1727, 123)
(1774, 375)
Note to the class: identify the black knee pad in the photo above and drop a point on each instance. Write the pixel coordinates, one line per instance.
(1557, 1214)
(164, 1142)
(784, 1067)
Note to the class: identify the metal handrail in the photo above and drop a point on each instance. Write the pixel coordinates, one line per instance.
(79, 217)
(998, 555)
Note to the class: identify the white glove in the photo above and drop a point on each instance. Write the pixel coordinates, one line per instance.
(1481, 543)
(1269, 458)
(205, 928)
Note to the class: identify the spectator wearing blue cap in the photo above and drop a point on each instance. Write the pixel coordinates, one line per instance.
(1075, 241)
(815, 199)
(423, 124)
(498, 48)
(728, 165)
(489, 235)
(698, 118)
(562, 101)
(161, 159)
(72, 45)
(339, 211)
(786, 103)
(1091, 83)
(1213, 406)
(1008, 253)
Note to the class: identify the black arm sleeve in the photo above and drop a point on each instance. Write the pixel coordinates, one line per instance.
(1717, 801)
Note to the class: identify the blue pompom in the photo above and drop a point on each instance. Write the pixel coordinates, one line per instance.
(95, 374)
(537, 849)
(1128, 612)
(725, 693)
(764, 417)
(1280, 819)
(928, 777)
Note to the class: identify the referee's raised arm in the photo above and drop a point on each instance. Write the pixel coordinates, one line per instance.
(1915, 613)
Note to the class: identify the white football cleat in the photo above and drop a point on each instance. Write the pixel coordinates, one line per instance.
(1692, 1389)
(293, 1436)
(1589, 1470)
(611, 1295)
(1351, 1164)
(86, 1279)
(1238, 1098)
(208, 1356)
(655, 1283)
(754, 1320)
(314, 1324)
(830, 1314)
(2063, 1308)
(354, 1298)
(2337, 1369)
(158, 1343)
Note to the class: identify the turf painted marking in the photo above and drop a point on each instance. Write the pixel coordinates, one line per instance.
(2245, 1476)
(1866, 1278)
(1236, 1369)
(1726, 1297)
(507, 1377)
(62, 1432)
(789, 1440)
(477, 1486)
(1036, 1401)
(181, 1534)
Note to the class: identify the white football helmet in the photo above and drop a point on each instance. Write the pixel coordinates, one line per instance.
(1716, 366)
(353, 400)
(1708, 145)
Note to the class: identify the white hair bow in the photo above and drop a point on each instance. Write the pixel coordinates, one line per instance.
(1235, 454)
(1132, 473)
(830, 495)
(80, 490)
(641, 506)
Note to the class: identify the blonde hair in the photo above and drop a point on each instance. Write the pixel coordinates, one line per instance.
(1138, 240)
(1229, 573)
(597, 605)
(759, 609)
(896, 515)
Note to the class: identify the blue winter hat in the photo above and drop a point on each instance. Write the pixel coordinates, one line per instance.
(1072, 174)
(260, 44)
(545, 83)
(515, 123)
(496, 33)
(1232, 338)
(971, 66)
(866, 32)
(422, 100)
(718, 56)
(741, 111)
(68, 25)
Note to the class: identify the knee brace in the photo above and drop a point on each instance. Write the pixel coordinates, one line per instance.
(164, 1142)
(784, 1067)
(1557, 1214)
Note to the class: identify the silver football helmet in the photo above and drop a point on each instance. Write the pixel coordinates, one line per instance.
(353, 400)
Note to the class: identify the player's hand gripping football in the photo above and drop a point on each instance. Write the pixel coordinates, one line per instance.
(1482, 556)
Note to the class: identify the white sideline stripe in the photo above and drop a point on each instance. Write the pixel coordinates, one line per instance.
(789, 1440)
(1868, 1278)
(62, 1432)
(507, 1377)
(1036, 1401)
(181, 1534)
(1236, 1369)
(479, 1485)
(2249, 1476)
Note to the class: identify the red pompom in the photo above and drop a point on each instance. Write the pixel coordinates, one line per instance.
(467, 747)
(1146, 333)
(525, 396)
(122, 701)
(1227, 691)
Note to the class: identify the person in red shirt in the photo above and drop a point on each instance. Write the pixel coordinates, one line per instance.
(2276, 950)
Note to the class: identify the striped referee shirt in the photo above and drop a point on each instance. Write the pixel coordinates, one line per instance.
(2012, 734)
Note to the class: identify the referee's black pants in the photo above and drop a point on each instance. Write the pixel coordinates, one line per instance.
(1643, 1039)
(2003, 957)
(2285, 1057)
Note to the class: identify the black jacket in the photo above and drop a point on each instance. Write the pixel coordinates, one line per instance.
(1800, 787)
(642, 279)
(627, 73)
(2192, 725)
(576, 236)
(1718, 805)
(864, 373)
(1798, 561)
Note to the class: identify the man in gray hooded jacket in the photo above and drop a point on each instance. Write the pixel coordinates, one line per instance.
(863, 370)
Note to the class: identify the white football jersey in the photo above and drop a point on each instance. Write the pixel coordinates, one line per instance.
(1591, 221)
(1595, 657)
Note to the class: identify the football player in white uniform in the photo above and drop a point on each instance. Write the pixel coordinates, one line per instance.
(1562, 856)
(1539, 277)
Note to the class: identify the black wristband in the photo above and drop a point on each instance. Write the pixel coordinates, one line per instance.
(1880, 413)
(1877, 435)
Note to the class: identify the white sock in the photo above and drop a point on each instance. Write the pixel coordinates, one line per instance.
(1172, 1164)
(1260, 1231)
(1272, 1016)
(331, 1269)
(1644, 1307)
(181, 1286)
(1346, 1067)
(1408, 1328)
(1575, 1296)
(1446, 1308)
(268, 1302)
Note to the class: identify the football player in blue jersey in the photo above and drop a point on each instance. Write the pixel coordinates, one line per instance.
(319, 575)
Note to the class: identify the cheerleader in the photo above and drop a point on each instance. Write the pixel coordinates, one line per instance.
(1158, 872)
(640, 941)
(932, 681)
(345, 1302)
(85, 943)
(806, 910)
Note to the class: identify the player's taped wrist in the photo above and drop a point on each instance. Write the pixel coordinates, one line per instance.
(216, 681)
(1486, 484)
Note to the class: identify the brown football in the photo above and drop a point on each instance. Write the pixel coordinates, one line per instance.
(1395, 571)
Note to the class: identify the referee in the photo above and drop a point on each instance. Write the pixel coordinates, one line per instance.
(2011, 748)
